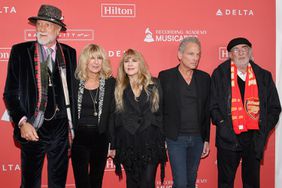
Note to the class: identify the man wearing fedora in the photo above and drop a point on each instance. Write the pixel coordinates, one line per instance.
(38, 95)
(245, 107)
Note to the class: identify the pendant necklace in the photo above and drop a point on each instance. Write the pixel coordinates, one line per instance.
(94, 101)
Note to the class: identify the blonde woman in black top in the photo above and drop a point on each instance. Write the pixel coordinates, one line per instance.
(95, 93)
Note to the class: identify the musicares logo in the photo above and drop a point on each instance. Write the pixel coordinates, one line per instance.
(118, 10)
(4, 54)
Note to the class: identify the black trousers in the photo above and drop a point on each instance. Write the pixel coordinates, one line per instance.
(228, 162)
(147, 179)
(53, 143)
(89, 157)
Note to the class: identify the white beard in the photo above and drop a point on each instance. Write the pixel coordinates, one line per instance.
(50, 38)
(242, 62)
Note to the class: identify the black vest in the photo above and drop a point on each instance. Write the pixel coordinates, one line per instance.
(56, 96)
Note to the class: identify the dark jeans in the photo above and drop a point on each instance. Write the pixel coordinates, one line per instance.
(228, 162)
(89, 157)
(184, 155)
(52, 142)
(147, 179)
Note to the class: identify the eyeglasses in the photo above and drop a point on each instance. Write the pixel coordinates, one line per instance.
(244, 49)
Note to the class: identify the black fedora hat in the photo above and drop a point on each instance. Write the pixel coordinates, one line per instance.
(51, 14)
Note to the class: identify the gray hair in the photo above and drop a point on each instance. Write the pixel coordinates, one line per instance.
(187, 40)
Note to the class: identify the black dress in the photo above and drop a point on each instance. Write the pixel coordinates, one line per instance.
(138, 135)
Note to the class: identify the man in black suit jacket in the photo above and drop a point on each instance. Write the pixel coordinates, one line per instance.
(38, 89)
(186, 113)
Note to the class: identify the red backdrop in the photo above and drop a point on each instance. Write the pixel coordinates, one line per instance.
(154, 28)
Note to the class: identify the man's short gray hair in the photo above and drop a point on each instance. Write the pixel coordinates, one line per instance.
(187, 40)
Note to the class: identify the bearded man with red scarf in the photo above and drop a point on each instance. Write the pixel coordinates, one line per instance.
(245, 107)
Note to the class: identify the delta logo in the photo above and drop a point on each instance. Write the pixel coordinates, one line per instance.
(118, 10)
(10, 167)
(234, 12)
(4, 54)
(70, 35)
(8, 10)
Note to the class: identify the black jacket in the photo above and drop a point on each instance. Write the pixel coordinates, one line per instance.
(171, 102)
(135, 118)
(221, 107)
(107, 106)
(20, 94)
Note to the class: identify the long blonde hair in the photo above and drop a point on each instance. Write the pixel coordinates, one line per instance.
(144, 79)
(88, 52)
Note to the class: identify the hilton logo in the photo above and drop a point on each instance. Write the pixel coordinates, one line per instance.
(4, 54)
(110, 165)
(222, 53)
(118, 10)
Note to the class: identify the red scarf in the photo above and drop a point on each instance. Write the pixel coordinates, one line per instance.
(244, 117)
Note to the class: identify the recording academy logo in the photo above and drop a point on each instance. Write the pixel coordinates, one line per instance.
(4, 54)
(169, 183)
(149, 36)
(234, 12)
(201, 181)
(165, 184)
(118, 10)
(5, 116)
(222, 53)
(8, 10)
(171, 35)
(70, 35)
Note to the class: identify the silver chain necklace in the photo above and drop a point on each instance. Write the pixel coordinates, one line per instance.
(94, 101)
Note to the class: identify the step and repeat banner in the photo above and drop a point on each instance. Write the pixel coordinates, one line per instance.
(154, 28)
